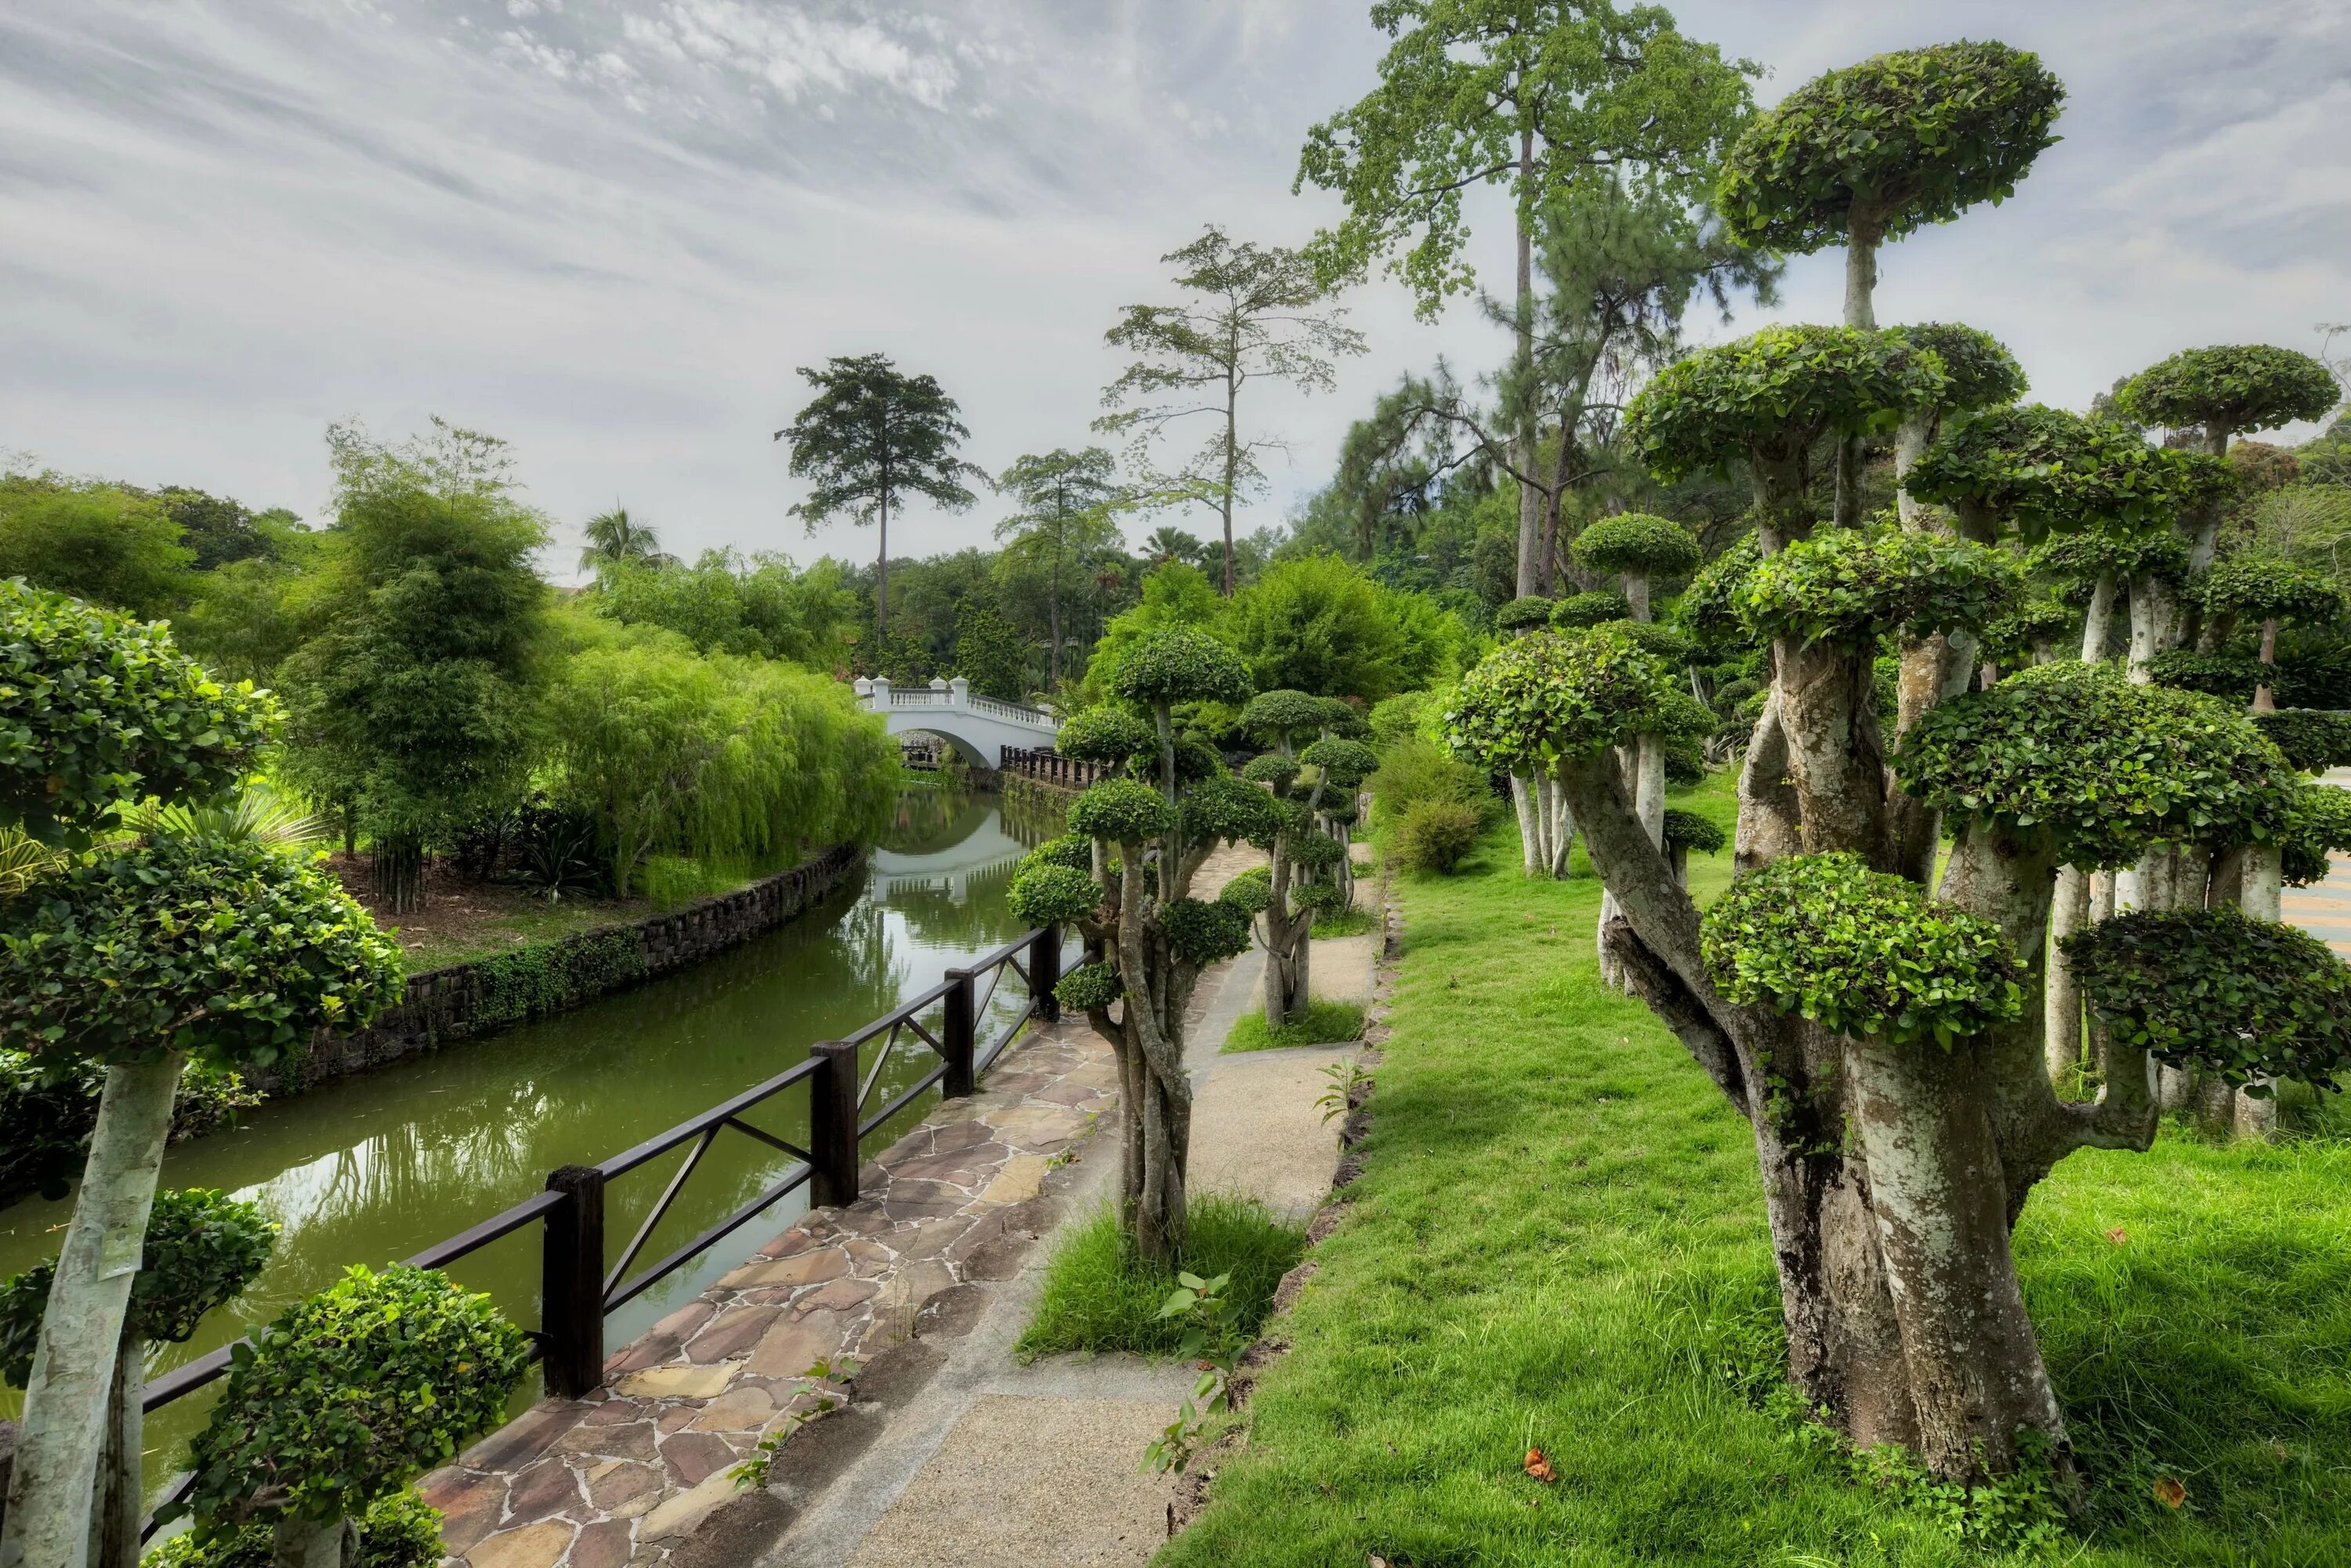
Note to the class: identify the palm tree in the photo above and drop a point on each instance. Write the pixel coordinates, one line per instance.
(1167, 542)
(613, 537)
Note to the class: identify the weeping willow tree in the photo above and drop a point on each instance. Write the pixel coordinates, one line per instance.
(713, 756)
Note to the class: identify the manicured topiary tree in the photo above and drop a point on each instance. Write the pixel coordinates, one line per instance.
(138, 955)
(343, 1400)
(1684, 831)
(1590, 609)
(1134, 904)
(1523, 614)
(2272, 592)
(1642, 550)
(1980, 373)
(1546, 835)
(1307, 862)
(201, 1250)
(1868, 153)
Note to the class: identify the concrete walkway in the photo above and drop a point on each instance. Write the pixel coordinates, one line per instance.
(994, 1464)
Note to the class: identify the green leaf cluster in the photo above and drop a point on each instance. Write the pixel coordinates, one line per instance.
(1272, 768)
(2079, 559)
(1105, 734)
(1638, 543)
(1553, 696)
(1120, 810)
(351, 1393)
(2233, 387)
(2260, 588)
(1282, 715)
(2102, 765)
(97, 709)
(2221, 675)
(1201, 932)
(1774, 393)
(1861, 953)
(1180, 664)
(1090, 987)
(1345, 764)
(1690, 830)
(1580, 610)
(1847, 586)
(1709, 606)
(1899, 140)
(2314, 739)
(230, 952)
(401, 1531)
(1669, 644)
(2042, 470)
(1074, 850)
(1229, 810)
(1980, 372)
(1052, 895)
(2318, 822)
(1251, 891)
(2247, 998)
(202, 1248)
(1523, 614)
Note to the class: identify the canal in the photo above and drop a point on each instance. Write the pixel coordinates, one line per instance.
(376, 1167)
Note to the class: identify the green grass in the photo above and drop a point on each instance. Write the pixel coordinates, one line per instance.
(1352, 920)
(1325, 1023)
(518, 925)
(1557, 1241)
(1098, 1295)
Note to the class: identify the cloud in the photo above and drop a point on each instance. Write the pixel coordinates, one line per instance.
(610, 231)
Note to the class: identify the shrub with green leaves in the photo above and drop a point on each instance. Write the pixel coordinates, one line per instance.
(1181, 665)
(1204, 931)
(231, 952)
(1436, 835)
(1579, 610)
(1709, 606)
(1846, 586)
(2257, 588)
(97, 709)
(1668, 643)
(1637, 544)
(1053, 895)
(1074, 850)
(2312, 739)
(1345, 763)
(2079, 559)
(202, 1247)
(2247, 998)
(1861, 953)
(2318, 823)
(1558, 695)
(2219, 675)
(1120, 810)
(1690, 830)
(1412, 770)
(1108, 736)
(1896, 142)
(2233, 387)
(401, 1531)
(1980, 372)
(1271, 769)
(1280, 718)
(2102, 765)
(1090, 986)
(2042, 470)
(351, 1393)
(1523, 614)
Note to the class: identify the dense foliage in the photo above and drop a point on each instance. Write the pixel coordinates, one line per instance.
(1860, 953)
(349, 1393)
(1775, 393)
(2231, 388)
(2040, 470)
(1636, 542)
(722, 605)
(1560, 694)
(1849, 587)
(2249, 998)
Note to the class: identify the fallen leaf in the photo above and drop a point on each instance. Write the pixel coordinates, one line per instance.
(1375, 1560)
(1540, 1468)
(2171, 1493)
(2118, 1236)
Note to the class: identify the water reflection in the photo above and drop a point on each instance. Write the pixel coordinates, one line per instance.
(380, 1167)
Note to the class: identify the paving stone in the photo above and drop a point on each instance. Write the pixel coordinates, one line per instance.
(693, 1456)
(739, 1409)
(681, 1324)
(681, 1512)
(629, 1440)
(1018, 1182)
(477, 1510)
(546, 1489)
(605, 1544)
(732, 1333)
(521, 1440)
(533, 1546)
(676, 1382)
(838, 1296)
(792, 1346)
(616, 1483)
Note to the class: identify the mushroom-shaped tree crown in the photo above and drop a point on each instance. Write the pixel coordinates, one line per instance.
(1227, 809)
(2219, 675)
(1777, 389)
(1282, 715)
(1204, 931)
(1072, 849)
(1523, 614)
(2016, 637)
(2101, 764)
(1859, 952)
(1272, 768)
(1846, 586)
(1554, 696)
(1105, 734)
(1180, 664)
(1900, 140)
(1708, 606)
(2041, 470)
(1317, 851)
(2079, 559)
(1341, 717)
(1251, 891)
(2312, 739)
(2236, 386)
(1120, 810)
(1638, 542)
(1590, 609)
(1690, 830)
(1345, 763)
(1090, 987)
(2318, 826)
(2261, 587)
(1980, 372)
(2249, 998)
(1053, 895)
(1668, 642)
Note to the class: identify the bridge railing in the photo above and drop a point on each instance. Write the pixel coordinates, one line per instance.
(955, 695)
(581, 1283)
(1051, 766)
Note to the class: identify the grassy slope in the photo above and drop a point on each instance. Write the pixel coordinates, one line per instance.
(1558, 1241)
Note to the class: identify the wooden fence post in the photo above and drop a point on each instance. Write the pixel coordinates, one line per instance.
(832, 1125)
(959, 1036)
(571, 1282)
(1045, 971)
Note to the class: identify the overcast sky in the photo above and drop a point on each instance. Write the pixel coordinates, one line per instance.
(608, 231)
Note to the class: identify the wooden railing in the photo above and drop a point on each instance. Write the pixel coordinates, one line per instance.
(1052, 768)
(580, 1286)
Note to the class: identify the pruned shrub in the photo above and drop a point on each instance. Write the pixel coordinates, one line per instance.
(1412, 770)
(1436, 836)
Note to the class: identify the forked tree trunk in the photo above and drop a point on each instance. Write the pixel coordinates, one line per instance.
(1530, 838)
(69, 1404)
(2069, 911)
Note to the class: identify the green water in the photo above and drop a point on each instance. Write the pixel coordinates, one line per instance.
(377, 1167)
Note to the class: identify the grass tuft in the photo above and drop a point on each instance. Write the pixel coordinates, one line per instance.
(1325, 1023)
(1099, 1296)
(1352, 920)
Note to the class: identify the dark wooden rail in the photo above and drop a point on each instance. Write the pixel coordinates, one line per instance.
(1052, 768)
(580, 1288)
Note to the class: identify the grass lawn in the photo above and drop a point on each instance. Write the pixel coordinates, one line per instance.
(1558, 1241)
(1325, 1023)
(1098, 1296)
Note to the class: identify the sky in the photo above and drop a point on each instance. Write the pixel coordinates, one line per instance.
(610, 232)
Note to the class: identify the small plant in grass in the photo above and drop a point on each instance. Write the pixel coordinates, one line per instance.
(1350, 922)
(1323, 1023)
(1436, 836)
(1346, 1076)
(1212, 1341)
(1099, 1294)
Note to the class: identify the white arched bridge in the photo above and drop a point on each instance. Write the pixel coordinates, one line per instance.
(980, 728)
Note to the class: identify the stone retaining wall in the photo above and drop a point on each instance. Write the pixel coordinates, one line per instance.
(460, 1001)
(1035, 791)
